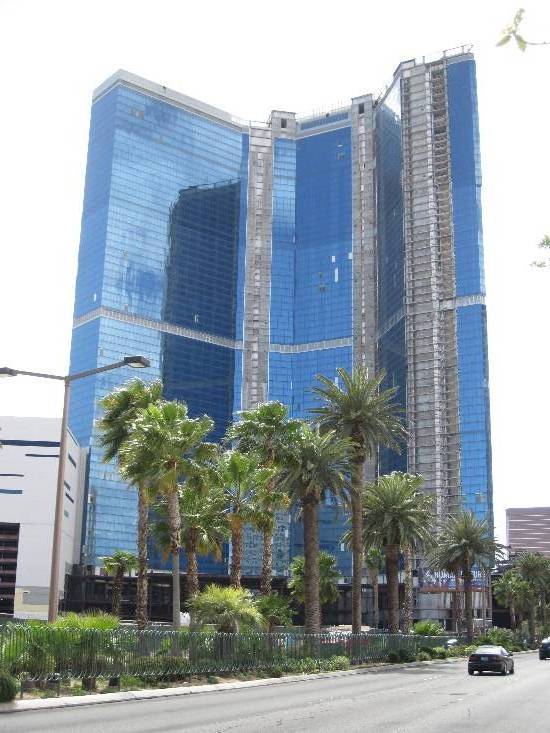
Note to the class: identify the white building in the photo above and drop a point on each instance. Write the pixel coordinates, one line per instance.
(29, 456)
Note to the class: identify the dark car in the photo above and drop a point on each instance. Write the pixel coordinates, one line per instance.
(490, 659)
(544, 649)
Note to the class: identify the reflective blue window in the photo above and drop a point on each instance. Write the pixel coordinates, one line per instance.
(283, 242)
(466, 178)
(163, 236)
(475, 433)
(323, 269)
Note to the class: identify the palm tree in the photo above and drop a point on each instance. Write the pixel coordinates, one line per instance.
(396, 515)
(374, 561)
(266, 431)
(318, 464)
(532, 568)
(120, 410)
(407, 589)
(466, 542)
(241, 478)
(368, 416)
(228, 608)
(203, 526)
(167, 445)
(455, 570)
(268, 498)
(118, 565)
(509, 591)
(328, 579)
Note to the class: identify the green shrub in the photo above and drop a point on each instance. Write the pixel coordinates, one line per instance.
(229, 609)
(428, 628)
(423, 657)
(333, 664)
(439, 652)
(498, 637)
(213, 680)
(130, 682)
(8, 687)
(307, 665)
(26, 650)
(393, 657)
(406, 655)
(310, 666)
(96, 620)
(276, 610)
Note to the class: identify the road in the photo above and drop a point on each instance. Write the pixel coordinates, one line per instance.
(430, 698)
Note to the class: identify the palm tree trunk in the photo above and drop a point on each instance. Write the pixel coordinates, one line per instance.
(236, 552)
(458, 603)
(487, 602)
(267, 563)
(356, 545)
(174, 523)
(141, 593)
(543, 608)
(192, 585)
(408, 595)
(532, 622)
(455, 602)
(392, 572)
(511, 607)
(375, 602)
(311, 568)
(468, 603)
(117, 591)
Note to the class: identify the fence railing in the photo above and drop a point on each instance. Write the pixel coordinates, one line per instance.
(39, 652)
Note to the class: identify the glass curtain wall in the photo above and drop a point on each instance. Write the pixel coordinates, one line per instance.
(162, 222)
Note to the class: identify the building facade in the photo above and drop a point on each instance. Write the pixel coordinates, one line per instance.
(528, 530)
(243, 259)
(29, 458)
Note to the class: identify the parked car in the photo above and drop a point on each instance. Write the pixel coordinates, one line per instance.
(544, 648)
(491, 659)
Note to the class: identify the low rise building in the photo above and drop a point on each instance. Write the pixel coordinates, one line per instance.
(29, 458)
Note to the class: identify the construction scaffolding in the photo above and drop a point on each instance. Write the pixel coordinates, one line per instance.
(432, 379)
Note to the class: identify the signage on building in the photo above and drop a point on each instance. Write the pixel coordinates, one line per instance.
(439, 581)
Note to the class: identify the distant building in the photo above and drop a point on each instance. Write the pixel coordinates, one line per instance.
(528, 529)
(29, 456)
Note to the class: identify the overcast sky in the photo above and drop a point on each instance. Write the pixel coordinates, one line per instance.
(249, 58)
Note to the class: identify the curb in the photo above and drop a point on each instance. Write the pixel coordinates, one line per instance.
(20, 706)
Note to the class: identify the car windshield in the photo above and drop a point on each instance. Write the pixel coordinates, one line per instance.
(489, 650)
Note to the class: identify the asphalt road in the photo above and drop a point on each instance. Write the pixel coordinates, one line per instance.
(435, 698)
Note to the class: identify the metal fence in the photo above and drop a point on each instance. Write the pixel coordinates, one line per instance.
(39, 652)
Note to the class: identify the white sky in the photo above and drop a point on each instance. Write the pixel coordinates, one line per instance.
(248, 58)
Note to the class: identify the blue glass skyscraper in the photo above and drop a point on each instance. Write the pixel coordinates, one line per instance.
(244, 259)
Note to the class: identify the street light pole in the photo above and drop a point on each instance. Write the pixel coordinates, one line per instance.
(137, 362)
(53, 598)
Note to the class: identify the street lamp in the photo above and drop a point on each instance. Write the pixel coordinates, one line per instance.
(136, 362)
